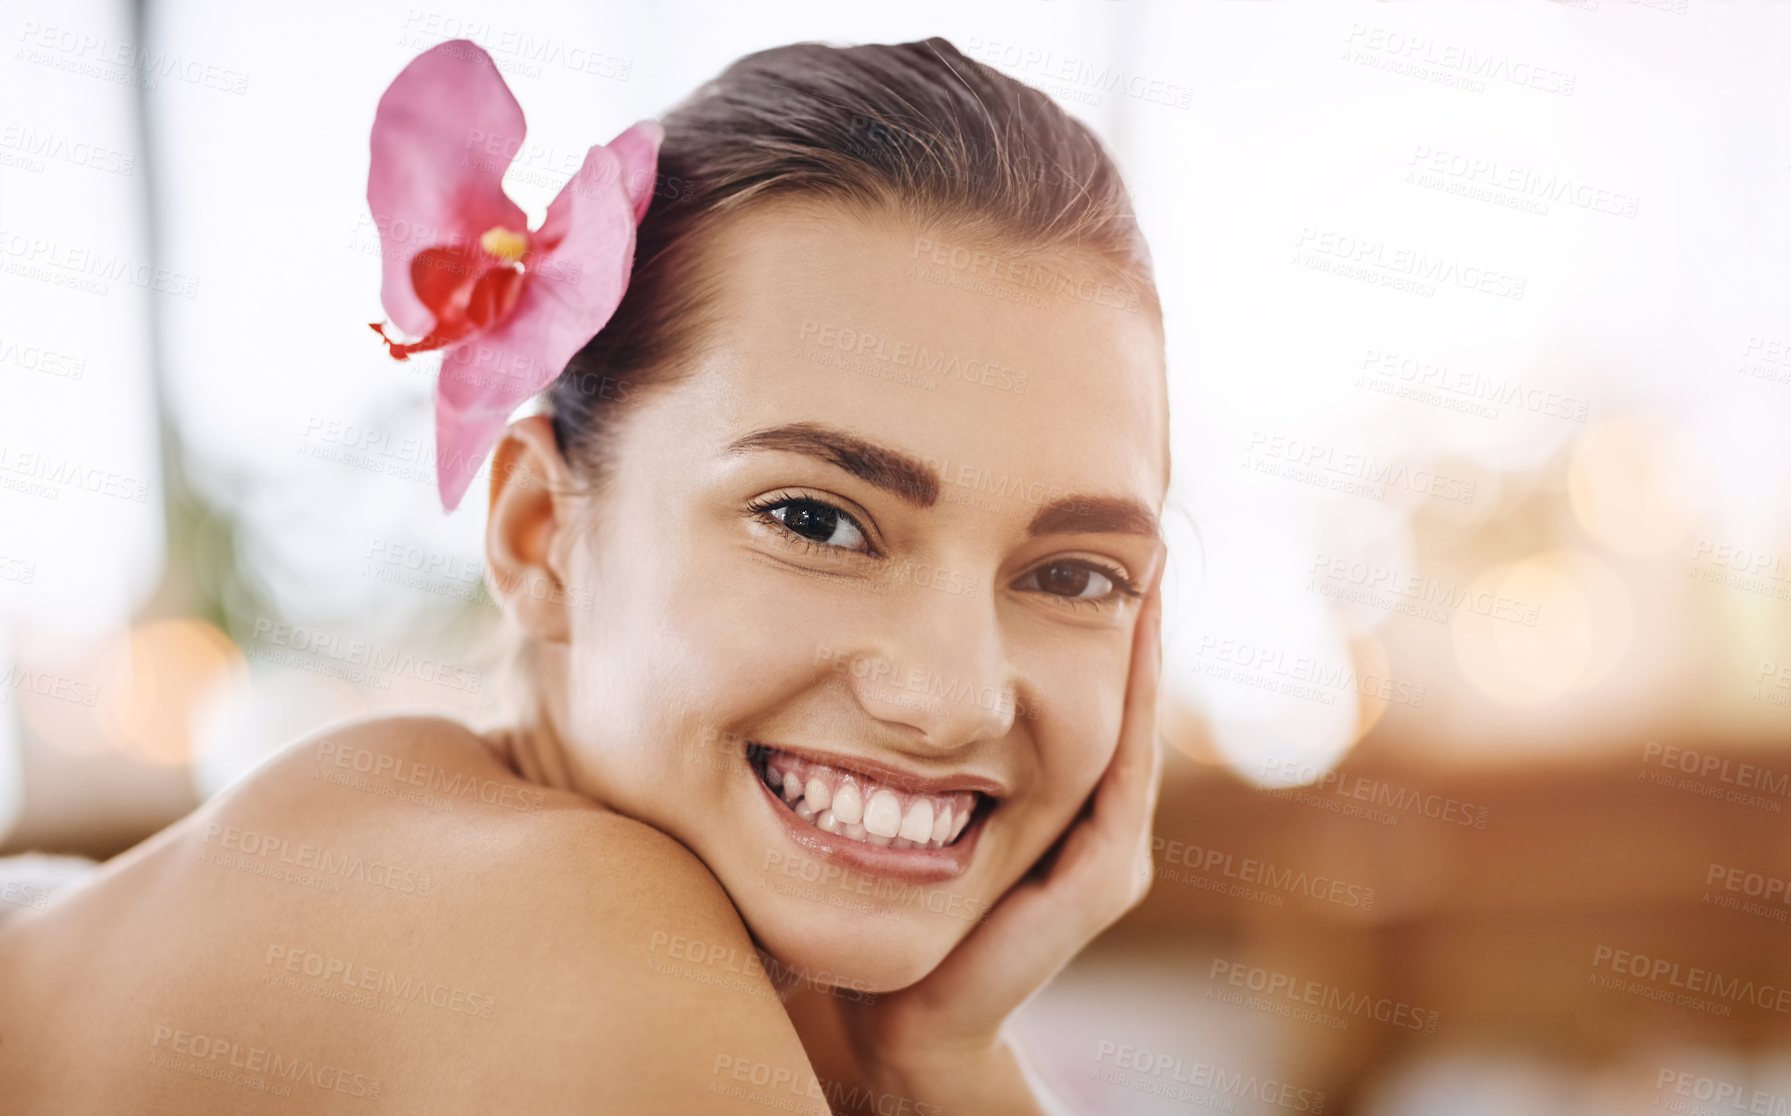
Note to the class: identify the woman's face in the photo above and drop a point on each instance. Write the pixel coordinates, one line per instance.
(865, 581)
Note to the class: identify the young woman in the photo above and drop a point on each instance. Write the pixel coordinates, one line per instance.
(833, 559)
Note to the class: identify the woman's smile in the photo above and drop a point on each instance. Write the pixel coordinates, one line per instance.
(873, 817)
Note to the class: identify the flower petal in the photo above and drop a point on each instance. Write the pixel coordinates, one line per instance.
(576, 276)
(443, 278)
(463, 435)
(638, 149)
(434, 179)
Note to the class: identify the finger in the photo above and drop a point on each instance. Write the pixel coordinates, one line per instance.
(1125, 800)
(1131, 778)
(1100, 856)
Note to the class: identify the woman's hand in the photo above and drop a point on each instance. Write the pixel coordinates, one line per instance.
(939, 1040)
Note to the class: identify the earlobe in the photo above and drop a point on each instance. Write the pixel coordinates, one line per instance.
(529, 508)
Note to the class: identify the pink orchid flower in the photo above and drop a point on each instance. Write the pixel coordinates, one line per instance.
(463, 271)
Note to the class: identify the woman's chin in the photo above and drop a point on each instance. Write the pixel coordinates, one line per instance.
(856, 954)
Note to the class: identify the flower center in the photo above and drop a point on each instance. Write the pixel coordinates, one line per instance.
(503, 243)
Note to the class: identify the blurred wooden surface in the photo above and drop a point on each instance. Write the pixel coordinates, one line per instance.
(1508, 933)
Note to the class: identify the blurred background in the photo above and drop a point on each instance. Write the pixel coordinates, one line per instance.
(1479, 326)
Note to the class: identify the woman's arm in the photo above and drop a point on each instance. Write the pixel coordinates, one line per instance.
(650, 997)
(1003, 1081)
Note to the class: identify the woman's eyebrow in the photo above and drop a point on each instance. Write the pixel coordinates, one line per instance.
(904, 475)
(1071, 515)
(917, 483)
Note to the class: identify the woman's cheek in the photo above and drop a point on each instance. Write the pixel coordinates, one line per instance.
(746, 619)
(789, 627)
(1079, 727)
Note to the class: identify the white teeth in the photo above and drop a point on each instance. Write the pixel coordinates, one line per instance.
(861, 810)
(941, 825)
(918, 825)
(883, 815)
(848, 804)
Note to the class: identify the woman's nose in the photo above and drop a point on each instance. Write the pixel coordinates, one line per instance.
(938, 666)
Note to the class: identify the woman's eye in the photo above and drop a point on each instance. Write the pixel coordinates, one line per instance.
(1073, 580)
(818, 522)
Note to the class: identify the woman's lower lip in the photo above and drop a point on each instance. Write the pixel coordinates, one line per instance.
(917, 865)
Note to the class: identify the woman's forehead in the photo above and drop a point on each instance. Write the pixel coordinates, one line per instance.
(992, 361)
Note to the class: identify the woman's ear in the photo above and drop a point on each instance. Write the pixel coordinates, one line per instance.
(525, 537)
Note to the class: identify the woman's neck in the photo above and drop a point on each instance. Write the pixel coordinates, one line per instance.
(530, 746)
(532, 750)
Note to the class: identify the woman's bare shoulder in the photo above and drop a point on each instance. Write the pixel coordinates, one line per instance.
(429, 789)
(389, 899)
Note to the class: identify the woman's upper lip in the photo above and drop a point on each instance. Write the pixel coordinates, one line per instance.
(893, 776)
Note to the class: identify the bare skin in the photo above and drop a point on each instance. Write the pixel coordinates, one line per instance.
(535, 936)
(611, 884)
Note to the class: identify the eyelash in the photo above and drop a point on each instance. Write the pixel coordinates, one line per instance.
(1123, 586)
(765, 505)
